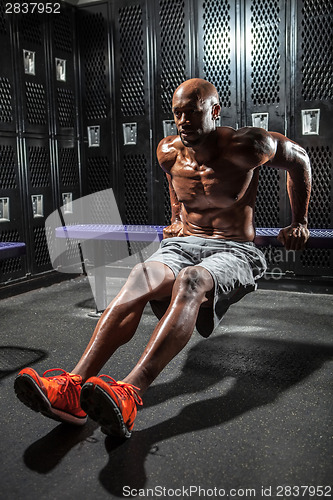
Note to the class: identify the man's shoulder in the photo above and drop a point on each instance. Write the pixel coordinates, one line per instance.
(167, 151)
(252, 146)
(252, 133)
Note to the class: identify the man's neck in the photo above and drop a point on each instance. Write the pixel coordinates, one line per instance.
(206, 149)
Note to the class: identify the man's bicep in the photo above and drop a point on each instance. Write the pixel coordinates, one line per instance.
(254, 146)
(288, 154)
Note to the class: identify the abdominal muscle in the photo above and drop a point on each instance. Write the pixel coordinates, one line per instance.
(234, 223)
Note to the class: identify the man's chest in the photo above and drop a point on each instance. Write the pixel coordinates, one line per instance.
(222, 183)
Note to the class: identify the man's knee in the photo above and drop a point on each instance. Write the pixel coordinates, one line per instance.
(194, 282)
(150, 277)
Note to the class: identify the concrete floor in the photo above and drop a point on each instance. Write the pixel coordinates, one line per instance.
(250, 407)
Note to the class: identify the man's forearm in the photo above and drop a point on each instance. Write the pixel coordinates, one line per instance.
(174, 202)
(299, 189)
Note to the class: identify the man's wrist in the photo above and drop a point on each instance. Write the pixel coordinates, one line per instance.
(303, 223)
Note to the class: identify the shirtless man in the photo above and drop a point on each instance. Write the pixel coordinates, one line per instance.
(206, 262)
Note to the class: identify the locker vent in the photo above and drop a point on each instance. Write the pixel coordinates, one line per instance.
(98, 174)
(8, 178)
(100, 213)
(316, 258)
(31, 29)
(268, 197)
(173, 56)
(3, 23)
(132, 68)
(36, 103)
(265, 52)
(65, 107)
(63, 32)
(320, 201)
(217, 47)
(42, 257)
(94, 51)
(39, 163)
(6, 112)
(136, 200)
(317, 50)
(68, 167)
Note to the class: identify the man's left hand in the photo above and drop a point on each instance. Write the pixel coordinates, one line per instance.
(294, 236)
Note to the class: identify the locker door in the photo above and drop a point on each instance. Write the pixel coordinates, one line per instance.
(96, 113)
(40, 199)
(264, 105)
(313, 110)
(217, 25)
(32, 71)
(133, 113)
(265, 94)
(7, 94)
(11, 208)
(172, 66)
(62, 64)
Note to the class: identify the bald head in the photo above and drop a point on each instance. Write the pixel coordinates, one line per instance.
(199, 88)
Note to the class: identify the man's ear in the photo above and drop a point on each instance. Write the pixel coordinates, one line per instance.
(216, 110)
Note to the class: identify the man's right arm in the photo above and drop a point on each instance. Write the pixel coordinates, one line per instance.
(166, 155)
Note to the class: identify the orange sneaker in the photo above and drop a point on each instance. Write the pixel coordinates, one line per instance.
(112, 404)
(56, 397)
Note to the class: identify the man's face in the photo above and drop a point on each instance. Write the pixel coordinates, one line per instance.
(193, 118)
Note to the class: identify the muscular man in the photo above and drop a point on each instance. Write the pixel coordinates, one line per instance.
(206, 262)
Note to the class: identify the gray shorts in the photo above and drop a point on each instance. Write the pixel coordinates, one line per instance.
(235, 268)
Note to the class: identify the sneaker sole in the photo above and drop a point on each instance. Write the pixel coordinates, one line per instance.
(29, 393)
(99, 406)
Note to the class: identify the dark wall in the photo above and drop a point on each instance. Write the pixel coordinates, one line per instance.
(124, 58)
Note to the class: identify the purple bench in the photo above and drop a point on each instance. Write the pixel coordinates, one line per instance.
(319, 238)
(10, 249)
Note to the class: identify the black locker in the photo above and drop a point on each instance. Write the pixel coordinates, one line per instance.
(97, 136)
(8, 105)
(264, 93)
(173, 65)
(216, 36)
(265, 96)
(132, 87)
(62, 62)
(40, 199)
(32, 70)
(314, 96)
(265, 62)
(12, 227)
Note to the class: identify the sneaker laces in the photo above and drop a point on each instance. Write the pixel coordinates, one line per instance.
(64, 378)
(121, 387)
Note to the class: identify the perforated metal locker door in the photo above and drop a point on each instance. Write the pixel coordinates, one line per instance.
(133, 108)
(12, 223)
(173, 63)
(313, 79)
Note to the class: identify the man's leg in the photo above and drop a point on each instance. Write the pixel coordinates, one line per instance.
(58, 395)
(193, 286)
(120, 320)
(114, 404)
